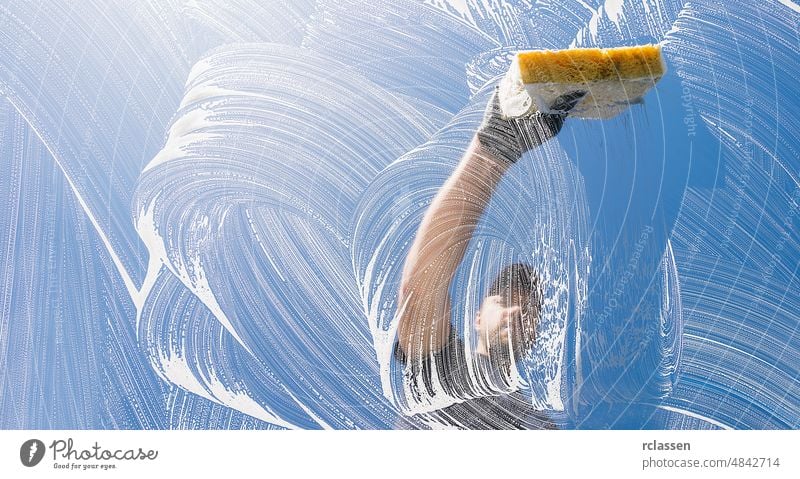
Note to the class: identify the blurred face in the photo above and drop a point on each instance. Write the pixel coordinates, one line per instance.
(504, 323)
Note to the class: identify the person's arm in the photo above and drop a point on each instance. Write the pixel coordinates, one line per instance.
(439, 248)
(449, 222)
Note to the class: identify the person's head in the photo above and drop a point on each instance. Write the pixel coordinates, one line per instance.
(509, 314)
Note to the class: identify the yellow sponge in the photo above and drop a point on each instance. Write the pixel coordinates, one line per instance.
(612, 77)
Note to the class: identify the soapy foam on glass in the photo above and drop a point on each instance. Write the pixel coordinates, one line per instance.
(613, 78)
(735, 251)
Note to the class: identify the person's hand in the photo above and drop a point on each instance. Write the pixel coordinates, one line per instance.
(496, 324)
(508, 139)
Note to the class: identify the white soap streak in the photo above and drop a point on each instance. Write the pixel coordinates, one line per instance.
(614, 11)
(561, 255)
(734, 62)
(174, 369)
(459, 7)
(262, 136)
(99, 96)
(191, 275)
(64, 310)
(132, 290)
(617, 22)
(209, 365)
(96, 104)
(740, 355)
(791, 5)
(229, 21)
(671, 317)
(404, 46)
(737, 247)
(695, 415)
(653, 368)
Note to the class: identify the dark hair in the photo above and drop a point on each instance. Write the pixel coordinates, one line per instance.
(520, 280)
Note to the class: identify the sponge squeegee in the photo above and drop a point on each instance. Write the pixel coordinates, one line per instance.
(613, 78)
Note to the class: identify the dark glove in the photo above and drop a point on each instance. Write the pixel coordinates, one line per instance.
(508, 139)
